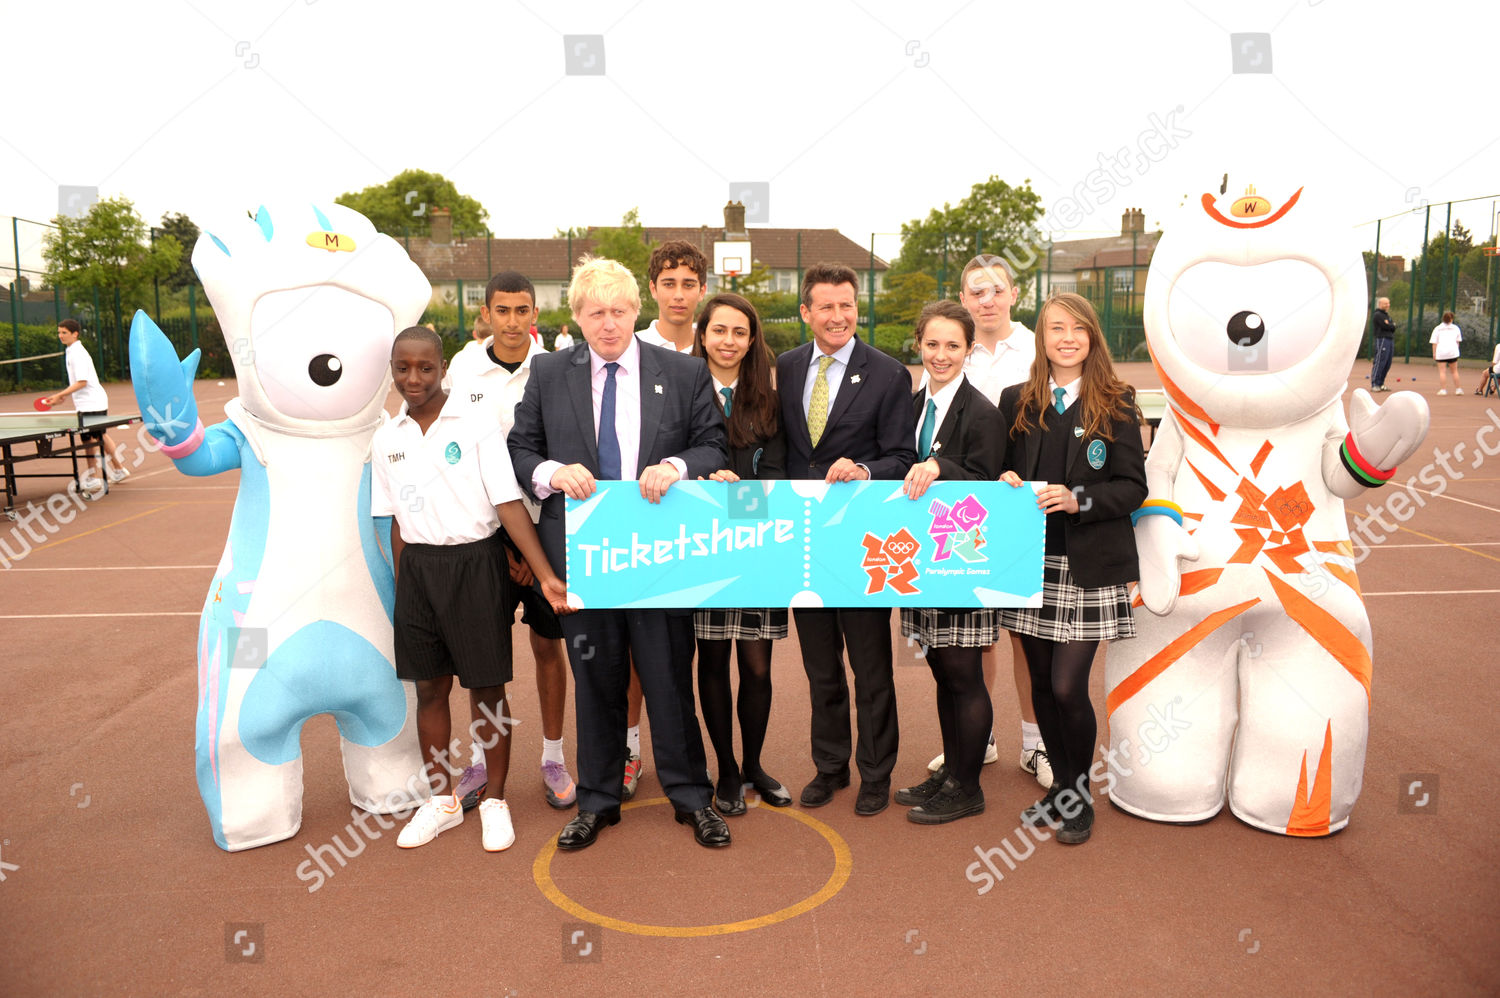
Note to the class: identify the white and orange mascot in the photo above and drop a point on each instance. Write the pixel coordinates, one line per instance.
(1249, 680)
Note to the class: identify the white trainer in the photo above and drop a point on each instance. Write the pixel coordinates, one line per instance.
(991, 754)
(437, 815)
(1036, 763)
(1442, 391)
(499, 833)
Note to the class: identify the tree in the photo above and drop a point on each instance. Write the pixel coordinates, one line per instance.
(995, 218)
(904, 296)
(626, 244)
(107, 248)
(1438, 267)
(403, 205)
(186, 233)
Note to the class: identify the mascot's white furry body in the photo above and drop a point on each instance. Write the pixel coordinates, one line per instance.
(298, 617)
(1256, 645)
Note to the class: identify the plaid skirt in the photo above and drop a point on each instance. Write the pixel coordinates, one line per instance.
(1071, 613)
(951, 628)
(740, 625)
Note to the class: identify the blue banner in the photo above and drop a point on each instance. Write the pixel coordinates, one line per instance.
(806, 544)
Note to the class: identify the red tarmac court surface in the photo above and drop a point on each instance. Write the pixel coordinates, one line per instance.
(110, 882)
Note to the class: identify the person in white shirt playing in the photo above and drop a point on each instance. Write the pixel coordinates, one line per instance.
(1002, 356)
(448, 482)
(1445, 339)
(677, 276)
(89, 399)
(491, 379)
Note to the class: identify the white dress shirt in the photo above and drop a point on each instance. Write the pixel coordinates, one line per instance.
(652, 335)
(944, 400)
(1070, 392)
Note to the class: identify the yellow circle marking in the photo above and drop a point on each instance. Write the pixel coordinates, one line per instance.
(843, 863)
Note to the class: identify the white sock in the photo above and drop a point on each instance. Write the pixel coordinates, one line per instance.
(552, 750)
(1031, 736)
(633, 740)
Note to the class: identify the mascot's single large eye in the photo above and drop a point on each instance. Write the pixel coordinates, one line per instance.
(320, 353)
(325, 369)
(1245, 329)
(1229, 319)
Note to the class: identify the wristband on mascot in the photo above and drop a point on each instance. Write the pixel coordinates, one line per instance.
(1362, 470)
(1157, 507)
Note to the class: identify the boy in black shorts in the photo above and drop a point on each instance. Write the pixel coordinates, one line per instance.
(449, 484)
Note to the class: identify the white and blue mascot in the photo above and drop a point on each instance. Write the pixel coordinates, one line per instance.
(298, 616)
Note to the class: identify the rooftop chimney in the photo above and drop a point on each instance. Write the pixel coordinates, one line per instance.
(1133, 220)
(442, 226)
(734, 221)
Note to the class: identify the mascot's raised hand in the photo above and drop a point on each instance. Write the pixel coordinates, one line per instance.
(297, 621)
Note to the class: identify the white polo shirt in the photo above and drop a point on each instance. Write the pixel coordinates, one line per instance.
(442, 486)
(91, 397)
(652, 336)
(492, 393)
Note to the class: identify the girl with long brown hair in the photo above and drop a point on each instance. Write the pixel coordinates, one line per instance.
(1073, 427)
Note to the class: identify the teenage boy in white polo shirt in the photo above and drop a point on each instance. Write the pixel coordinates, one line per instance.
(89, 399)
(677, 276)
(491, 379)
(448, 482)
(1002, 356)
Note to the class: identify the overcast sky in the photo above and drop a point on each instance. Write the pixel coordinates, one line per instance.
(856, 115)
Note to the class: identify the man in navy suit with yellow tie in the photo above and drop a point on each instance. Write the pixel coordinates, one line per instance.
(847, 411)
(611, 408)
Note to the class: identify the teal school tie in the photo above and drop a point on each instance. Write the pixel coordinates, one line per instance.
(728, 394)
(1058, 393)
(924, 442)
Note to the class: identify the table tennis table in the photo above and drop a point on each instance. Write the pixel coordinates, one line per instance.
(53, 436)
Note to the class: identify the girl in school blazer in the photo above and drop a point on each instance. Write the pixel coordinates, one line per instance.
(1074, 426)
(958, 436)
(728, 338)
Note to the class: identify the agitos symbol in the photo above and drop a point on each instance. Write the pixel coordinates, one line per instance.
(333, 242)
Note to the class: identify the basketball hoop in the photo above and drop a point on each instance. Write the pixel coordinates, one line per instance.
(732, 258)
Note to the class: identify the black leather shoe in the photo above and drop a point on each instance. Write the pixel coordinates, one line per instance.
(730, 800)
(924, 791)
(820, 791)
(873, 798)
(771, 791)
(581, 832)
(708, 828)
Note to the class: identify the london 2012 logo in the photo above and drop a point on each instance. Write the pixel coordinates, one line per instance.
(958, 529)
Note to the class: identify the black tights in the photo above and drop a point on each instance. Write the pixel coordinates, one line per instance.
(1064, 712)
(965, 714)
(716, 700)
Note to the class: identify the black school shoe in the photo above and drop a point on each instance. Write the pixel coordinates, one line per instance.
(1076, 830)
(924, 791)
(1044, 811)
(950, 803)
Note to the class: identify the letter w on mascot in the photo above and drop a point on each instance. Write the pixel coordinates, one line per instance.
(298, 616)
(1257, 642)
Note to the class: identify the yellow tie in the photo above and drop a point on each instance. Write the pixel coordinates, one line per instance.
(817, 408)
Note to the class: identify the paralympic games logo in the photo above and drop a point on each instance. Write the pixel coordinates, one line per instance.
(958, 529)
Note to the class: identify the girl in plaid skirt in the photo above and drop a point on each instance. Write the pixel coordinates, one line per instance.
(728, 337)
(959, 436)
(1074, 426)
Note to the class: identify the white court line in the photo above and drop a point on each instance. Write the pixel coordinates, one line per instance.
(1444, 495)
(115, 568)
(71, 616)
(1462, 544)
(1436, 592)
